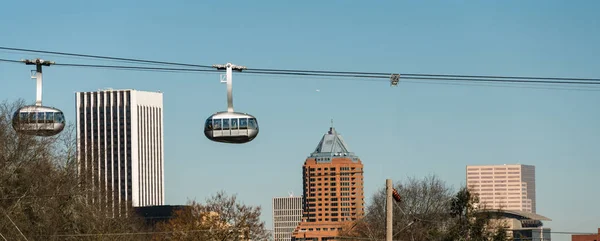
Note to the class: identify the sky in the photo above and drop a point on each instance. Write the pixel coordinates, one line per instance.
(412, 130)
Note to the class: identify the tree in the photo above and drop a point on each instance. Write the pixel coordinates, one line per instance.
(429, 210)
(419, 216)
(472, 222)
(40, 195)
(221, 218)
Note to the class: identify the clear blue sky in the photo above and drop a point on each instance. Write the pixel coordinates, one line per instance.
(412, 130)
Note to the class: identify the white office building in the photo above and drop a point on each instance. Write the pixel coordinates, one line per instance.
(287, 214)
(120, 143)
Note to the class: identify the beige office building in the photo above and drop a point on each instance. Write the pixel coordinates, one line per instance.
(508, 187)
(287, 214)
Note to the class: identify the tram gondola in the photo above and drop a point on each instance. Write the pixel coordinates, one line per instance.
(230, 126)
(38, 120)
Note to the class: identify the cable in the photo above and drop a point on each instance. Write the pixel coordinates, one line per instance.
(431, 75)
(137, 233)
(339, 75)
(503, 77)
(524, 86)
(137, 67)
(381, 74)
(10, 61)
(18, 229)
(208, 230)
(504, 80)
(366, 76)
(104, 57)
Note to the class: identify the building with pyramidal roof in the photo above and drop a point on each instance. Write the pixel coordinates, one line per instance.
(332, 188)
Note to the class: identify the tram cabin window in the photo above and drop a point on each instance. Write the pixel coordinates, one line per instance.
(252, 123)
(208, 125)
(234, 124)
(243, 123)
(225, 124)
(41, 117)
(59, 117)
(217, 124)
(231, 124)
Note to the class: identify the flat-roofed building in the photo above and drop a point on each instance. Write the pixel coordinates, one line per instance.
(510, 187)
(287, 214)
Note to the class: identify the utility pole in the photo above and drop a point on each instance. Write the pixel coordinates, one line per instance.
(38, 76)
(389, 188)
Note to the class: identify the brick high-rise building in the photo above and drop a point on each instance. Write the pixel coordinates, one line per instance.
(333, 190)
(586, 237)
(508, 187)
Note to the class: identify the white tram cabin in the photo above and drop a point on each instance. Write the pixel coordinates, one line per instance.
(38, 121)
(231, 127)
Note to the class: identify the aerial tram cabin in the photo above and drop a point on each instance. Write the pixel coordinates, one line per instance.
(231, 127)
(38, 120)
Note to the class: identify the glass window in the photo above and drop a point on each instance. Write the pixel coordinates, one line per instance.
(208, 126)
(40, 117)
(60, 118)
(234, 124)
(243, 123)
(217, 124)
(49, 117)
(23, 117)
(252, 124)
(225, 124)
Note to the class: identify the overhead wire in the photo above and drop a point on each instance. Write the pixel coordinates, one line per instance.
(406, 80)
(459, 83)
(10, 61)
(412, 76)
(143, 68)
(103, 57)
(429, 75)
(209, 230)
(341, 75)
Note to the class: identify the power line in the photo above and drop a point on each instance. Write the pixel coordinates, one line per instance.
(140, 233)
(233, 229)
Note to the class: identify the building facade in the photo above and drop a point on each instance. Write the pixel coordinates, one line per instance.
(333, 190)
(586, 237)
(521, 225)
(120, 147)
(509, 187)
(287, 214)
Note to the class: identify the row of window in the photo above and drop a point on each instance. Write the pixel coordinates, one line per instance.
(39, 117)
(230, 124)
(98, 98)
